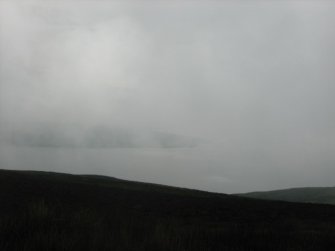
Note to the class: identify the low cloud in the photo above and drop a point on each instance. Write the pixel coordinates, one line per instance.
(253, 81)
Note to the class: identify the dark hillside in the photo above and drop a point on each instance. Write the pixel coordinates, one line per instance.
(52, 211)
(321, 195)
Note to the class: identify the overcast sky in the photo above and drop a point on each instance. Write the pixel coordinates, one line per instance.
(254, 80)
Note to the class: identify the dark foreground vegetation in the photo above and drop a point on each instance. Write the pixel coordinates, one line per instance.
(48, 211)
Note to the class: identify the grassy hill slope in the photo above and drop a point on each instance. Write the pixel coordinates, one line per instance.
(324, 195)
(52, 211)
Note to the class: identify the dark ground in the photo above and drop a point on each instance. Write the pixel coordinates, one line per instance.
(43, 211)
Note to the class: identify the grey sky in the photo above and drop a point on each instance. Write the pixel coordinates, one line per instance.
(253, 79)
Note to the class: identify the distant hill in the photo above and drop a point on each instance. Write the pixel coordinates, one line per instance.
(52, 211)
(323, 195)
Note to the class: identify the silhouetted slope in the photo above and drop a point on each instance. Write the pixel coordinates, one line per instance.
(52, 211)
(324, 195)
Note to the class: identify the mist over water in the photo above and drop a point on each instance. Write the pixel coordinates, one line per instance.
(219, 96)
